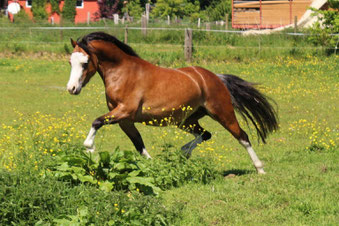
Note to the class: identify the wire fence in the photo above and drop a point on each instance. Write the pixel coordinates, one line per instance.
(159, 29)
(166, 38)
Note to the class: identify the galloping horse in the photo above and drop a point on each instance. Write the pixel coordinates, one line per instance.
(138, 91)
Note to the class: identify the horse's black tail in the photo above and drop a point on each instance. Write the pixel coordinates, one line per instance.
(251, 104)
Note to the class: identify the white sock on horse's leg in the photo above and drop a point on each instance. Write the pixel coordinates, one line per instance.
(145, 153)
(89, 142)
(256, 162)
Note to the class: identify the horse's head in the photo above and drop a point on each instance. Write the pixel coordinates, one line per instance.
(84, 65)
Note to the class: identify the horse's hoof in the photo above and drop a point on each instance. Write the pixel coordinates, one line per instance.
(261, 171)
(90, 149)
(187, 153)
(88, 144)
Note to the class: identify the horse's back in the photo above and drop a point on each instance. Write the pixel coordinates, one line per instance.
(209, 82)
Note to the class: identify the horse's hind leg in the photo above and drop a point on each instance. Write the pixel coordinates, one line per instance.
(224, 114)
(191, 125)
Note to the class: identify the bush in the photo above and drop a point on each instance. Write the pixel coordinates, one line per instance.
(133, 8)
(172, 8)
(55, 6)
(68, 11)
(21, 17)
(128, 171)
(323, 30)
(218, 10)
(39, 9)
(26, 198)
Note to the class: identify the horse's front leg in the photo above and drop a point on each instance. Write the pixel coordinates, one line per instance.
(111, 117)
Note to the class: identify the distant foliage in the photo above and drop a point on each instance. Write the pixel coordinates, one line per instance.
(39, 9)
(133, 8)
(21, 17)
(68, 11)
(108, 7)
(180, 8)
(218, 9)
(55, 6)
(327, 25)
(334, 4)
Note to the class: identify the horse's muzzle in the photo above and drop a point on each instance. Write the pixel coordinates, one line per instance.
(73, 90)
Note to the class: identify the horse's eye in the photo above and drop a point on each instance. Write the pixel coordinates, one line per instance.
(85, 65)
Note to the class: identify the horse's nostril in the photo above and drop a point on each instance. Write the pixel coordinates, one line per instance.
(73, 88)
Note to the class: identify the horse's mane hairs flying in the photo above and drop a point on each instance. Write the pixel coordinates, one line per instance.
(83, 42)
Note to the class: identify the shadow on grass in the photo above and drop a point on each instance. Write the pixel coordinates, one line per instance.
(237, 172)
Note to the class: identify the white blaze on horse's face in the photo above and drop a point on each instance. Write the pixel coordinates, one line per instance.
(74, 84)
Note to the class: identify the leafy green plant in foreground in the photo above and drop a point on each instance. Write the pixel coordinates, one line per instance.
(27, 198)
(125, 170)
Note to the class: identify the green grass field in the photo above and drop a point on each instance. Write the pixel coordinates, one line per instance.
(40, 120)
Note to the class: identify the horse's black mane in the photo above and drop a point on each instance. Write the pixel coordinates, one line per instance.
(83, 42)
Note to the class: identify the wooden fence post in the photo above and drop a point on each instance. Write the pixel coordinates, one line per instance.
(226, 21)
(295, 24)
(126, 35)
(61, 30)
(168, 20)
(144, 25)
(208, 26)
(188, 44)
(199, 22)
(147, 7)
(88, 17)
(116, 18)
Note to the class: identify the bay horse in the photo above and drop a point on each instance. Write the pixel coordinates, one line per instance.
(140, 92)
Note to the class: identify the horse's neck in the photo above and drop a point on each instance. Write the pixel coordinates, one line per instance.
(109, 60)
(113, 71)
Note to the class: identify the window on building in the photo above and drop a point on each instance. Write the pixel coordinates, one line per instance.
(28, 3)
(80, 3)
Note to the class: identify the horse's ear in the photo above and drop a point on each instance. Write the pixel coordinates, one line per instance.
(74, 43)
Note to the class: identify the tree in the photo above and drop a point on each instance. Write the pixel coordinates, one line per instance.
(68, 11)
(108, 7)
(180, 8)
(133, 8)
(327, 25)
(39, 10)
(218, 9)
